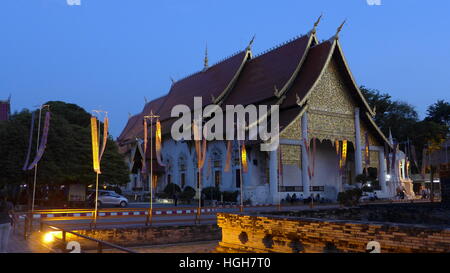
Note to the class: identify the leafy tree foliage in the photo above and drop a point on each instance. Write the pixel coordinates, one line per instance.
(68, 156)
(403, 120)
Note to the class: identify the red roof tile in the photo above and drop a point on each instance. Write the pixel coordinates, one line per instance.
(261, 74)
(207, 83)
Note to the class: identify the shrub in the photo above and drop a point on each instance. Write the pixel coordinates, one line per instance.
(362, 178)
(171, 189)
(187, 194)
(230, 196)
(211, 193)
(350, 197)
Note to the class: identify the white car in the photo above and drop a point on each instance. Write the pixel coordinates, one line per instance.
(109, 198)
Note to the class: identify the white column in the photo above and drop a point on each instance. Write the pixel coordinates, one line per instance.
(358, 155)
(273, 175)
(305, 161)
(382, 171)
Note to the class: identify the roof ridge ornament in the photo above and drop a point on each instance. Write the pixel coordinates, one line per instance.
(173, 81)
(249, 47)
(313, 31)
(205, 61)
(339, 29)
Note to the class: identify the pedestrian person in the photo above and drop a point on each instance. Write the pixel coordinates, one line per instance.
(175, 199)
(6, 212)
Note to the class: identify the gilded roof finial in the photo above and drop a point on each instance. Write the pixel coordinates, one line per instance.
(205, 64)
(316, 23)
(340, 28)
(251, 42)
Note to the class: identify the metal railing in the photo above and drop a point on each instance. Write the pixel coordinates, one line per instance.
(100, 244)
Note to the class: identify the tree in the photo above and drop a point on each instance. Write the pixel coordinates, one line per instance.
(68, 155)
(439, 112)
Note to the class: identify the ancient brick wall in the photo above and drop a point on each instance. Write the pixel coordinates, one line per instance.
(136, 236)
(262, 234)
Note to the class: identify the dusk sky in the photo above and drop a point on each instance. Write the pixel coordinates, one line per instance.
(110, 54)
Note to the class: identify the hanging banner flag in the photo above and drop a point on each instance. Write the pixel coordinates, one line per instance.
(367, 150)
(105, 137)
(144, 162)
(344, 154)
(244, 159)
(387, 157)
(209, 169)
(314, 157)
(414, 156)
(30, 141)
(280, 169)
(42, 145)
(94, 135)
(200, 149)
(308, 154)
(337, 146)
(228, 159)
(394, 157)
(158, 143)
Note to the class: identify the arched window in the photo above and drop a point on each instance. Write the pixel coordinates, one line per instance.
(216, 157)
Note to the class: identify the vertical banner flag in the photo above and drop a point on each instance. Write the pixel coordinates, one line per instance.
(144, 163)
(42, 145)
(367, 150)
(158, 143)
(305, 142)
(105, 137)
(344, 154)
(228, 159)
(280, 169)
(313, 157)
(94, 135)
(244, 159)
(30, 142)
(387, 157)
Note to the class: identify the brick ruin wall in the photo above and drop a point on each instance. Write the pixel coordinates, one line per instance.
(263, 234)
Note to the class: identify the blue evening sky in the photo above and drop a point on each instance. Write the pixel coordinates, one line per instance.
(109, 54)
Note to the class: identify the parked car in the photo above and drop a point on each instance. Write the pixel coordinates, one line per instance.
(108, 198)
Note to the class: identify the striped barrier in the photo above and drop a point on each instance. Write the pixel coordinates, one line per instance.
(38, 215)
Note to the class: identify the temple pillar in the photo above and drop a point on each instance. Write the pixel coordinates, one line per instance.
(382, 171)
(273, 176)
(305, 161)
(358, 155)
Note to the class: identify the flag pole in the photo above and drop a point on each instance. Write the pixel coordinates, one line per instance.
(37, 148)
(151, 117)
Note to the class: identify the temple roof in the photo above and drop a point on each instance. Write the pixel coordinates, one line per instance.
(285, 75)
(261, 75)
(134, 127)
(206, 84)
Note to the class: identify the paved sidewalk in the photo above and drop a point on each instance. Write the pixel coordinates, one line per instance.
(18, 244)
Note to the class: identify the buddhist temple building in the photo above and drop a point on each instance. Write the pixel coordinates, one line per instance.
(327, 132)
(5, 109)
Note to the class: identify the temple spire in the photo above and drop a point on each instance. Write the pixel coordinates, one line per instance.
(340, 28)
(205, 62)
(251, 42)
(316, 24)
